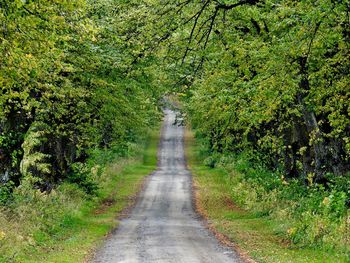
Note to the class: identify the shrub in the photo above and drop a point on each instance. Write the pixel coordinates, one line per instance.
(307, 215)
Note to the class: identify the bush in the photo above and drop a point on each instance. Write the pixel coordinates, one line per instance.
(307, 215)
(36, 218)
(5, 192)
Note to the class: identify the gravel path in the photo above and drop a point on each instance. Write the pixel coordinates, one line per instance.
(163, 226)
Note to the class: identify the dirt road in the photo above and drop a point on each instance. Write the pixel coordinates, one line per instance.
(163, 226)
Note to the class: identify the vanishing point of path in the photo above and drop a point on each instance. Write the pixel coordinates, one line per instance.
(163, 226)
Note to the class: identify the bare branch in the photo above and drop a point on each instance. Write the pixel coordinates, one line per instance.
(243, 2)
(211, 27)
(35, 14)
(199, 13)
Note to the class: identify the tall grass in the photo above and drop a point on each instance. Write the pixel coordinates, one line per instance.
(305, 214)
(34, 224)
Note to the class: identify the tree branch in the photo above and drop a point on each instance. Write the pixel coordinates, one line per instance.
(243, 2)
(35, 14)
(211, 27)
(198, 14)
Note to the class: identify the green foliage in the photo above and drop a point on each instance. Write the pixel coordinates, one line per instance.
(6, 192)
(83, 178)
(36, 224)
(265, 85)
(34, 218)
(264, 231)
(308, 215)
(265, 76)
(264, 82)
(69, 85)
(32, 158)
(270, 89)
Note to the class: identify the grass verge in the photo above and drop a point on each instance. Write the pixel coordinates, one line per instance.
(84, 227)
(249, 232)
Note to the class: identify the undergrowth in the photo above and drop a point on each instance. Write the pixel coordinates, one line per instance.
(33, 222)
(307, 214)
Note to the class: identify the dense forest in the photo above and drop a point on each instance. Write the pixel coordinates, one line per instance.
(265, 84)
(270, 76)
(69, 85)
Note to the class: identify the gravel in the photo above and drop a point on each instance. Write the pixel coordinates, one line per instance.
(163, 226)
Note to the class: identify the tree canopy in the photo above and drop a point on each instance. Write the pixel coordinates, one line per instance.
(68, 85)
(266, 76)
(271, 77)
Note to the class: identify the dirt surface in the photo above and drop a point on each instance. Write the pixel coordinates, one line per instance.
(163, 226)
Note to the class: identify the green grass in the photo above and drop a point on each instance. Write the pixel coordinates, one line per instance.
(254, 234)
(81, 232)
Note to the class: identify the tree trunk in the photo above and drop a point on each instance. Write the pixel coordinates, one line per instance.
(318, 145)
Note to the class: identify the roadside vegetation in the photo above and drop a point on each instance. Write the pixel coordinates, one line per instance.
(76, 108)
(264, 84)
(68, 224)
(264, 223)
(272, 108)
(69, 88)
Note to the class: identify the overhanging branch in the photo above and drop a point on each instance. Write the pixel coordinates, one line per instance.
(243, 2)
